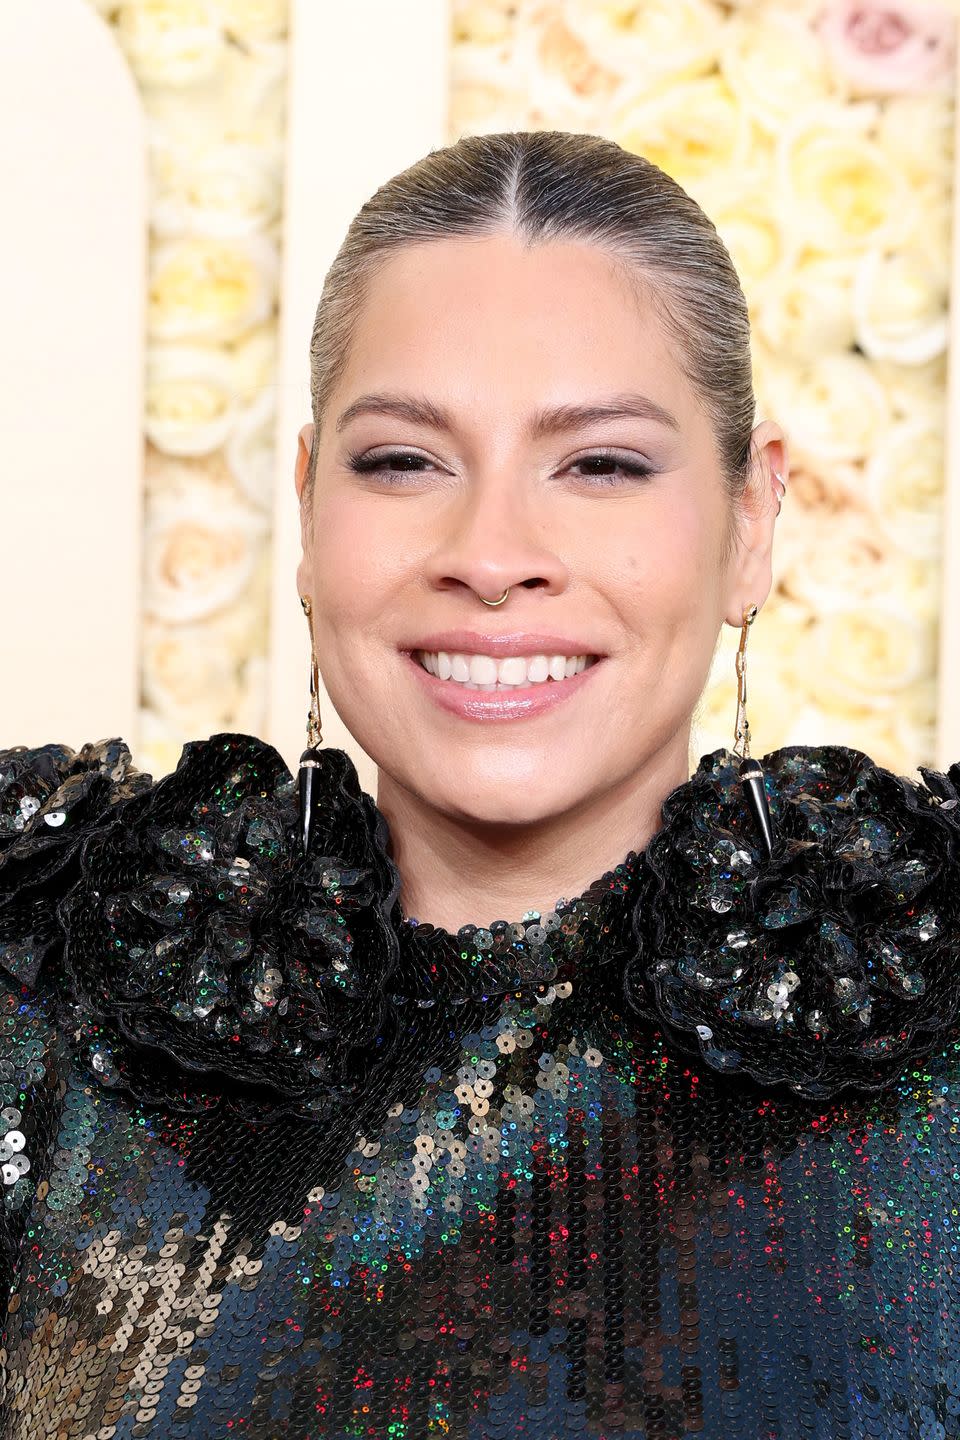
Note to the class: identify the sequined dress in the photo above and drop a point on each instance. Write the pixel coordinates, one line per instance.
(678, 1158)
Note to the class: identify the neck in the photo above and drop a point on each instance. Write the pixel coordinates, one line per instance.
(456, 872)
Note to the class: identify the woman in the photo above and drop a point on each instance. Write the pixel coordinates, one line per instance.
(675, 1157)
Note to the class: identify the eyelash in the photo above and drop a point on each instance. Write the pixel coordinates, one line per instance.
(378, 465)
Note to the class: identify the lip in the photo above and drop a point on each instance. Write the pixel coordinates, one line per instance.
(500, 646)
(520, 702)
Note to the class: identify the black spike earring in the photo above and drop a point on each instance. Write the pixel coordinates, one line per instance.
(310, 760)
(751, 771)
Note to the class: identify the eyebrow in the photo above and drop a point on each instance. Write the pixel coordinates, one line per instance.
(553, 418)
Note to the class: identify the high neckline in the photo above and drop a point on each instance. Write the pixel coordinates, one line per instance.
(541, 949)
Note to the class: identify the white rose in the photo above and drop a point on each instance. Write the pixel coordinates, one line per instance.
(915, 133)
(483, 22)
(210, 289)
(659, 41)
(827, 561)
(251, 451)
(697, 131)
(775, 64)
(915, 392)
(808, 310)
(254, 360)
(561, 74)
(836, 188)
(190, 401)
(914, 727)
(832, 407)
(200, 552)
(495, 89)
(870, 653)
(253, 20)
(189, 677)
(900, 305)
(170, 42)
(487, 92)
(218, 189)
(904, 480)
(754, 239)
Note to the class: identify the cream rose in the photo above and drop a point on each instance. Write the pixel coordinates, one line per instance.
(900, 307)
(774, 64)
(190, 400)
(832, 407)
(219, 189)
(483, 22)
(754, 239)
(808, 311)
(825, 561)
(200, 552)
(904, 480)
(170, 42)
(251, 451)
(652, 43)
(836, 189)
(889, 47)
(253, 21)
(208, 289)
(487, 92)
(696, 131)
(915, 392)
(254, 360)
(915, 133)
(190, 678)
(866, 654)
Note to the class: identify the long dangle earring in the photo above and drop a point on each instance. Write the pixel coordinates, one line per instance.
(310, 760)
(751, 771)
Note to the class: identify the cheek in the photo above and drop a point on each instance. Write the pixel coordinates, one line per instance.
(661, 569)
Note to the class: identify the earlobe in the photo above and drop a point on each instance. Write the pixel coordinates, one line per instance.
(304, 451)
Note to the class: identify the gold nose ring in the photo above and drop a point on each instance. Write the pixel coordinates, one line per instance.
(497, 602)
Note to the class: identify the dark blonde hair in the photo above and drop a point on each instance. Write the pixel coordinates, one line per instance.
(555, 185)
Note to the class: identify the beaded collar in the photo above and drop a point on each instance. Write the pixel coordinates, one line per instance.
(200, 956)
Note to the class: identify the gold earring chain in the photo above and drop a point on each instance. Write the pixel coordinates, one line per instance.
(314, 736)
(741, 744)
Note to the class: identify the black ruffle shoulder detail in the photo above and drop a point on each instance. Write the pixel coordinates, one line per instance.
(51, 797)
(829, 966)
(205, 955)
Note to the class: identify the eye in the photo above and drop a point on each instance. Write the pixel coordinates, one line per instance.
(612, 463)
(388, 465)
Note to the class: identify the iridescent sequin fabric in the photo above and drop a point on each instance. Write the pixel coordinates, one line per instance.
(291, 1166)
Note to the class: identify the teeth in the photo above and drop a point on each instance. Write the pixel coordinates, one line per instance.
(483, 672)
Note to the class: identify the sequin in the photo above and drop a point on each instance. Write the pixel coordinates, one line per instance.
(525, 1208)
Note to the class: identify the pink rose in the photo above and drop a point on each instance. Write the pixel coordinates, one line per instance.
(889, 47)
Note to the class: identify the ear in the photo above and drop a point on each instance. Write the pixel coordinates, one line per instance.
(751, 567)
(304, 451)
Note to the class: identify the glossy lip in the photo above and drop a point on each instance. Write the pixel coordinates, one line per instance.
(520, 702)
(517, 642)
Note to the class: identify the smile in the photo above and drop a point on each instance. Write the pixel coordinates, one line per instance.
(510, 672)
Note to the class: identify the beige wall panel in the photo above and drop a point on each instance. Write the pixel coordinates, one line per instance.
(72, 295)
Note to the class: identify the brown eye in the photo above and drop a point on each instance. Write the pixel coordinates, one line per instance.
(614, 468)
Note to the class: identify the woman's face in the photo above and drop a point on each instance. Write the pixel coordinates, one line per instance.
(479, 475)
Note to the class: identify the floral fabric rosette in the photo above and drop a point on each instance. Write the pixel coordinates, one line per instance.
(50, 797)
(829, 965)
(205, 954)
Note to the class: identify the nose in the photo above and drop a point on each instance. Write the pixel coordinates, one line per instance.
(494, 537)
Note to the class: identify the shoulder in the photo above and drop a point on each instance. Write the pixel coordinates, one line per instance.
(190, 949)
(831, 965)
(51, 798)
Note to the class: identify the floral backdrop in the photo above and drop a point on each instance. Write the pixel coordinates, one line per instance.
(817, 136)
(816, 133)
(212, 75)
